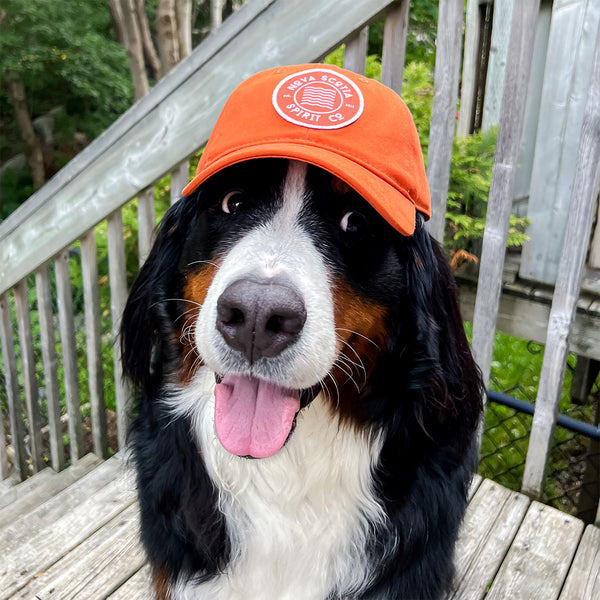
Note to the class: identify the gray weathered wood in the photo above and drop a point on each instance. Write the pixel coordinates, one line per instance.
(48, 343)
(583, 199)
(569, 63)
(64, 297)
(394, 46)
(503, 176)
(43, 547)
(583, 582)
(180, 177)
(118, 298)
(494, 82)
(594, 256)
(146, 217)
(29, 379)
(468, 86)
(443, 111)
(91, 294)
(15, 417)
(355, 55)
(97, 566)
(489, 527)
(538, 561)
(172, 122)
(41, 487)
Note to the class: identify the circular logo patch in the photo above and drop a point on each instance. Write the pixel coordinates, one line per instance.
(319, 99)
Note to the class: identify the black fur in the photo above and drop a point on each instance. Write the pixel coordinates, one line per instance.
(424, 392)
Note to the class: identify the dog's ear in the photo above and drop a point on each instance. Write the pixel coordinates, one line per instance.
(148, 337)
(431, 350)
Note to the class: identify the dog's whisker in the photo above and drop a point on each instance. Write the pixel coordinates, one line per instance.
(359, 335)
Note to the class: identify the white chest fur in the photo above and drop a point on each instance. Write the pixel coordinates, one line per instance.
(298, 521)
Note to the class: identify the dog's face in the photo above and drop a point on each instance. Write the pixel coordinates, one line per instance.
(287, 275)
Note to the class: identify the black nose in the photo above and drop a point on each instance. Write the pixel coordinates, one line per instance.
(260, 319)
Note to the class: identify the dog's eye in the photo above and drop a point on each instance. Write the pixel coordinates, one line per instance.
(232, 201)
(353, 222)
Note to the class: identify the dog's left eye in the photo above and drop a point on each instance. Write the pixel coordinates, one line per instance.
(232, 201)
(353, 222)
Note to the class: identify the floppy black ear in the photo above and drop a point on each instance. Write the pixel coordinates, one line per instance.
(434, 371)
(148, 342)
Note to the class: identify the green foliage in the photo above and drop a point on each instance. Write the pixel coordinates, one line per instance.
(15, 187)
(64, 55)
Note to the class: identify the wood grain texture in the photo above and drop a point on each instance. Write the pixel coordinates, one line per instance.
(393, 55)
(443, 111)
(91, 295)
(146, 214)
(520, 52)
(470, 66)
(355, 55)
(9, 363)
(29, 379)
(584, 196)
(64, 298)
(137, 587)
(583, 582)
(537, 563)
(48, 343)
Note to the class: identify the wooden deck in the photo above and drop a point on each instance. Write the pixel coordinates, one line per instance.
(73, 535)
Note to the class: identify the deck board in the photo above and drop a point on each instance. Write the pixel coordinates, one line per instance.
(83, 544)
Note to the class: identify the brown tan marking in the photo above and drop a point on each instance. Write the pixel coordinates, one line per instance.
(361, 336)
(161, 583)
(195, 289)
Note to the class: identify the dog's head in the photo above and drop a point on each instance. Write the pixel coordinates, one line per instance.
(288, 277)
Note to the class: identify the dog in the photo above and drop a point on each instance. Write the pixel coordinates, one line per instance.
(308, 401)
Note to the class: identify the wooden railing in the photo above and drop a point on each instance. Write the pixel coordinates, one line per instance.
(52, 237)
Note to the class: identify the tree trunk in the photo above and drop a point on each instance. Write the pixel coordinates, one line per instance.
(168, 39)
(33, 145)
(130, 28)
(152, 60)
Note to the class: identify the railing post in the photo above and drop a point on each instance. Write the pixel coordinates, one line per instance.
(393, 55)
(355, 56)
(564, 304)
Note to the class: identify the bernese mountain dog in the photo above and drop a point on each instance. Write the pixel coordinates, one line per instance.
(307, 398)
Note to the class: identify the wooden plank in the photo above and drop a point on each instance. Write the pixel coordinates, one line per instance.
(469, 69)
(583, 582)
(91, 294)
(48, 342)
(180, 177)
(58, 507)
(569, 64)
(173, 121)
(443, 111)
(118, 297)
(23, 498)
(537, 563)
(146, 219)
(489, 527)
(503, 176)
(594, 255)
(394, 46)
(584, 195)
(62, 268)
(29, 379)
(494, 82)
(355, 55)
(136, 588)
(97, 567)
(45, 546)
(13, 398)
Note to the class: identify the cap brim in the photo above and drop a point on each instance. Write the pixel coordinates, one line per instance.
(392, 204)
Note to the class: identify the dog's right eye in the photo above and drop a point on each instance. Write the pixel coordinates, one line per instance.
(232, 201)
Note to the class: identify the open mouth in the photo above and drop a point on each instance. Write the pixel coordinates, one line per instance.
(255, 417)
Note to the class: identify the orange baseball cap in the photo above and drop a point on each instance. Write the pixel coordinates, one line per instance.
(354, 127)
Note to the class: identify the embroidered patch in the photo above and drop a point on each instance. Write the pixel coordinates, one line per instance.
(319, 99)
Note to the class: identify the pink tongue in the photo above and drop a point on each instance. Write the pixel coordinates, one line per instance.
(253, 417)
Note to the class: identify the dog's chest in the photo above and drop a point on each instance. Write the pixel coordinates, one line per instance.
(299, 521)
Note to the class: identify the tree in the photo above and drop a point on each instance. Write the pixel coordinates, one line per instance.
(57, 54)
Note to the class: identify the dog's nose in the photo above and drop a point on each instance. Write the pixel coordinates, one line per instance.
(260, 319)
